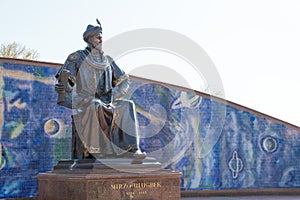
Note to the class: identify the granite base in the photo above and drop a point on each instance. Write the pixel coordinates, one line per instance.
(109, 179)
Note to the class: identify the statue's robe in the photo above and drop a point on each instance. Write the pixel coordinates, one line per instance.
(103, 122)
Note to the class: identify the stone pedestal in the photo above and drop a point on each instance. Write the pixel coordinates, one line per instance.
(109, 179)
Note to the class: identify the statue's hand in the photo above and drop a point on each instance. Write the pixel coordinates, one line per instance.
(117, 94)
(121, 87)
(62, 81)
(59, 87)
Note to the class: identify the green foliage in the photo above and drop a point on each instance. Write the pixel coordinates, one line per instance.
(16, 50)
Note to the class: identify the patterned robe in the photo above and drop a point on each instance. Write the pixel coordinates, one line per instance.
(103, 122)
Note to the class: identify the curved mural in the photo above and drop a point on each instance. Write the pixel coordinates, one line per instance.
(217, 145)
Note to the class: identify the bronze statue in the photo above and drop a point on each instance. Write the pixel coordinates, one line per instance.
(92, 84)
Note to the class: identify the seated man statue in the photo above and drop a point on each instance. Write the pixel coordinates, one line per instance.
(93, 86)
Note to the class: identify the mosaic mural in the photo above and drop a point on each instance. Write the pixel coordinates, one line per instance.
(35, 132)
(216, 146)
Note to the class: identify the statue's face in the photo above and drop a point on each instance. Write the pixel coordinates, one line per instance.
(96, 41)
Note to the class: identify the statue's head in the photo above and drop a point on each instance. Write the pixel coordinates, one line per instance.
(93, 36)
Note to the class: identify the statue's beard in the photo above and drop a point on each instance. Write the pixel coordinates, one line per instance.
(97, 50)
(98, 47)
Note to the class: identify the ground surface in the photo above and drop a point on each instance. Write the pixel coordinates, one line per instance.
(245, 198)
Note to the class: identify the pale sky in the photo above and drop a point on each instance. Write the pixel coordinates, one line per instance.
(254, 44)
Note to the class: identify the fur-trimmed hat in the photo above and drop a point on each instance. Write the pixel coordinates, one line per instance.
(91, 30)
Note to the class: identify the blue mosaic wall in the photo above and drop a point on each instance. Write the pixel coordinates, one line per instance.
(216, 146)
(30, 141)
(249, 151)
